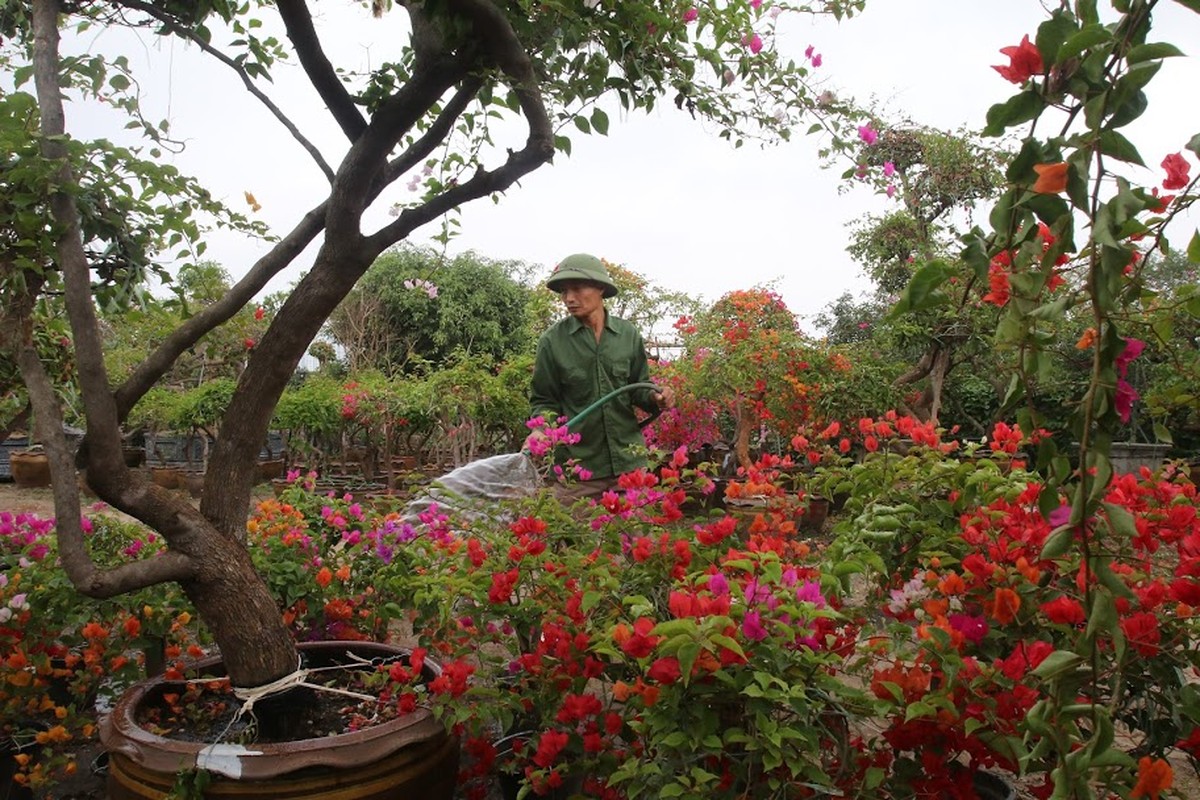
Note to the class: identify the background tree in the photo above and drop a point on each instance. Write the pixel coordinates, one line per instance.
(938, 177)
(413, 309)
(434, 102)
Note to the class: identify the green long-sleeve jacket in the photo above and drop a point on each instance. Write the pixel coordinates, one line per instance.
(572, 371)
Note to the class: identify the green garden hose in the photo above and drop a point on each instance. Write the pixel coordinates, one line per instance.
(610, 396)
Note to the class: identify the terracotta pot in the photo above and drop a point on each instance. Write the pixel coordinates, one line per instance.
(271, 469)
(30, 470)
(409, 757)
(134, 456)
(167, 477)
(193, 482)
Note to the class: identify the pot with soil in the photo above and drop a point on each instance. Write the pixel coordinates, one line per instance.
(154, 735)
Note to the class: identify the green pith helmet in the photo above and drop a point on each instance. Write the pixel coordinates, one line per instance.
(581, 267)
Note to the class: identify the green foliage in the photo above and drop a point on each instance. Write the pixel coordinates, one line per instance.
(413, 310)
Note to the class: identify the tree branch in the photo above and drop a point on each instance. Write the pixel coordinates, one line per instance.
(435, 135)
(158, 362)
(186, 33)
(298, 22)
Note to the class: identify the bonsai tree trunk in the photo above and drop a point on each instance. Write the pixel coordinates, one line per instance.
(205, 547)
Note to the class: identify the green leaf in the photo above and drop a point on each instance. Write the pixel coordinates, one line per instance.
(1193, 251)
(600, 121)
(924, 289)
(1194, 144)
(1116, 145)
(1146, 52)
(1052, 33)
(1058, 663)
(1194, 5)
(1120, 520)
(1162, 434)
(583, 125)
(1017, 109)
(1058, 543)
(687, 658)
(1104, 614)
(1090, 36)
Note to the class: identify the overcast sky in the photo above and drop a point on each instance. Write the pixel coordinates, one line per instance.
(659, 194)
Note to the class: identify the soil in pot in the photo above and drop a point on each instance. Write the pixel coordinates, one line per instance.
(355, 750)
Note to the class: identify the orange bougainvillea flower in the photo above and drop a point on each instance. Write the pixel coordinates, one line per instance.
(1087, 340)
(324, 576)
(1052, 178)
(1004, 605)
(1154, 777)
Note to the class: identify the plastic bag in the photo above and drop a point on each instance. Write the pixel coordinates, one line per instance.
(473, 489)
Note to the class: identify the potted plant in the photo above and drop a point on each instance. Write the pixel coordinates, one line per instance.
(30, 468)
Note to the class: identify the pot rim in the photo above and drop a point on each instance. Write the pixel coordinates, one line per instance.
(120, 733)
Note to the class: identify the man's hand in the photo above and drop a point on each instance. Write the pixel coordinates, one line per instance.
(664, 398)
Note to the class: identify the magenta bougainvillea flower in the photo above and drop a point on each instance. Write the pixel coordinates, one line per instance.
(868, 134)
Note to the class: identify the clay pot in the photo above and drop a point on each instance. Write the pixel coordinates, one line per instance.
(167, 477)
(271, 469)
(409, 757)
(30, 470)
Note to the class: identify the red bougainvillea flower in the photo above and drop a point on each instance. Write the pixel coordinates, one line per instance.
(999, 289)
(1052, 178)
(1024, 61)
(1177, 171)
(1004, 605)
(1141, 629)
(1163, 201)
(1064, 610)
(259, 313)
(1155, 776)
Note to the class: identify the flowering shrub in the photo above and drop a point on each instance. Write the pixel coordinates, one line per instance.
(61, 650)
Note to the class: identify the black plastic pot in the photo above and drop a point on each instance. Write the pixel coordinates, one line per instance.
(509, 783)
(990, 786)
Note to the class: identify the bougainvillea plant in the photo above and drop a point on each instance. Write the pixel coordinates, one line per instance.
(1082, 80)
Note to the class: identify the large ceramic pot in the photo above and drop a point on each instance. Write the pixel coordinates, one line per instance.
(410, 757)
(30, 470)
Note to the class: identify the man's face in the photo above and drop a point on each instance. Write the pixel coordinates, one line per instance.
(582, 298)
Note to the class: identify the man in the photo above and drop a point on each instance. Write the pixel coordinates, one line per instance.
(581, 359)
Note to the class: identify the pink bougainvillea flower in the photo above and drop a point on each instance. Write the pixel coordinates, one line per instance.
(816, 60)
(691, 15)
(889, 169)
(891, 190)
(808, 51)
(755, 3)
(752, 627)
(1024, 61)
(867, 134)
(1125, 398)
(754, 42)
(1133, 348)
(1177, 171)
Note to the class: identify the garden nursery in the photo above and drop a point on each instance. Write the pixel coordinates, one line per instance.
(319, 542)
